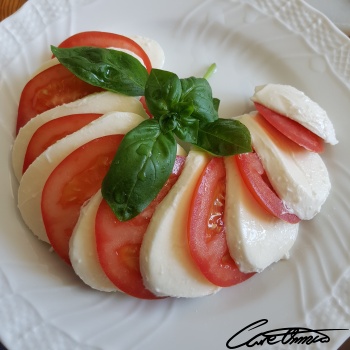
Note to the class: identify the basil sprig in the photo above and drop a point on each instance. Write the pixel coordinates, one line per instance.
(182, 109)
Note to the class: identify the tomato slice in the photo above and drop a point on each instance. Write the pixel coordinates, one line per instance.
(105, 40)
(52, 131)
(206, 228)
(292, 129)
(75, 180)
(256, 180)
(118, 243)
(50, 88)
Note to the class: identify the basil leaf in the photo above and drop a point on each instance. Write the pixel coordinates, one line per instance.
(162, 92)
(141, 166)
(109, 69)
(187, 129)
(216, 103)
(167, 122)
(224, 137)
(197, 92)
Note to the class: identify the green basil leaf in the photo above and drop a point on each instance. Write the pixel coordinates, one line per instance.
(109, 69)
(167, 122)
(187, 129)
(184, 109)
(197, 92)
(141, 166)
(224, 137)
(216, 103)
(162, 92)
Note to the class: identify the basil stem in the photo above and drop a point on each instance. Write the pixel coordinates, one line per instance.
(210, 71)
(141, 166)
(109, 69)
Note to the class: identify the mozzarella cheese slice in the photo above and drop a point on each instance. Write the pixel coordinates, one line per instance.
(299, 177)
(102, 102)
(255, 238)
(45, 65)
(82, 248)
(33, 180)
(152, 49)
(165, 260)
(294, 104)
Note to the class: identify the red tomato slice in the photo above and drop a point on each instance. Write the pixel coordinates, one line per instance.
(52, 131)
(105, 40)
(50, 88)
(75, 180)
(119, 243)
(292, 129)
(206, 228)
(256, 180)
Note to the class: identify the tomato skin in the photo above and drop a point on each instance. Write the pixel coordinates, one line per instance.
(105, 40)
(52, 131)
(75, 180)
(256, 180)
(206, 228)
(292, 129)
(50, 88)
(118, 243)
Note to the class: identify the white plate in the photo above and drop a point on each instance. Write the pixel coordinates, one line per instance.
(43, 305)
(337, 10)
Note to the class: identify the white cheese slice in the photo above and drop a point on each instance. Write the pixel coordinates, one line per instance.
(294, 104)
(299, 177)
(82, 248)
(152, 49)
(255, 238)
(34, 179)
(166, 264)
(45, 65)
(102, 102)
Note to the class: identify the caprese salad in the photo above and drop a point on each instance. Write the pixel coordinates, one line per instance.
(104, 180)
